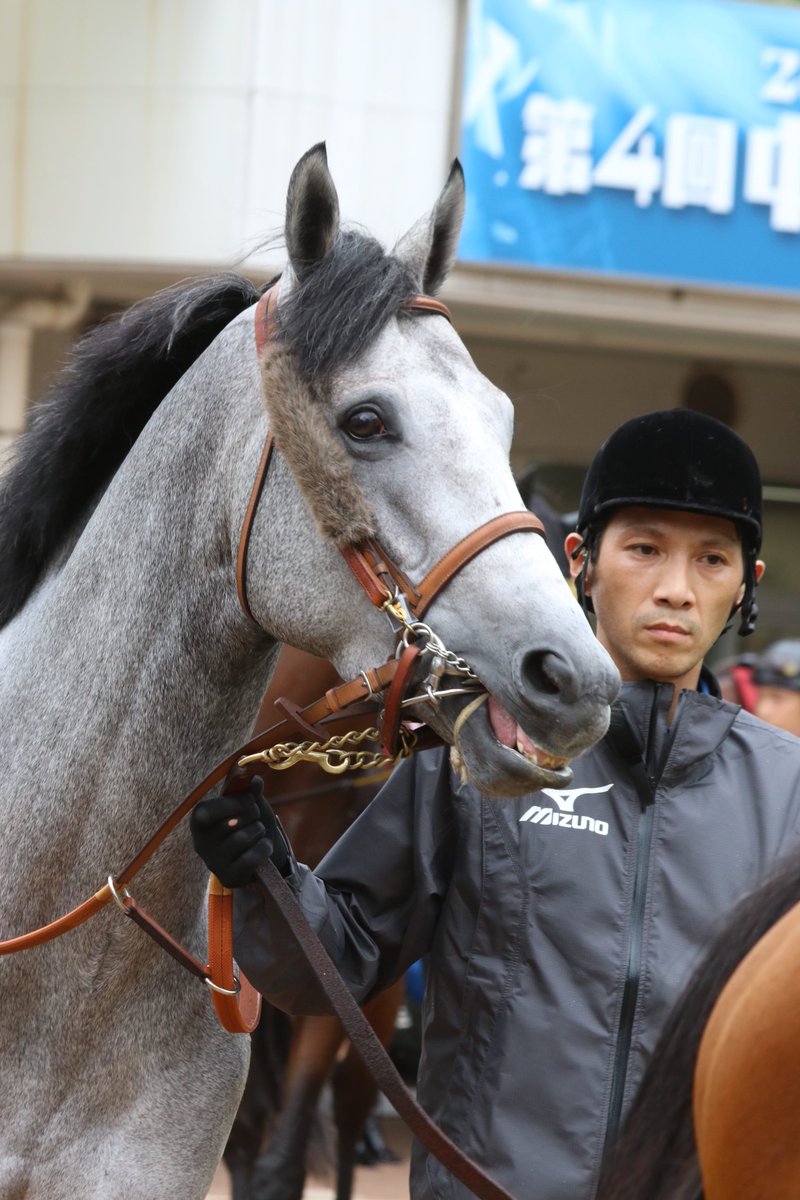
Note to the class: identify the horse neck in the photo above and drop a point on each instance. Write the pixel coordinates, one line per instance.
(135, 657)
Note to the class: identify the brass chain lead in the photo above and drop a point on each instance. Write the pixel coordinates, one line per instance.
(338, 754)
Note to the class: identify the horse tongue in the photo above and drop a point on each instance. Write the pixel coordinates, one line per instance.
(504, 727)
(507, 731)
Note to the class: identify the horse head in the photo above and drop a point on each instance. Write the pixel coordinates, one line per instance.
(385, 429)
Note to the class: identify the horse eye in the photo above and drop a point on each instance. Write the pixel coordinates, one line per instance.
(363, 424)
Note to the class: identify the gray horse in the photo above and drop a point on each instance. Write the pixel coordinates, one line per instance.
(127, 667)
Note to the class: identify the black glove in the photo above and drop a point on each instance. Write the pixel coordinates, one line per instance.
(237, 832)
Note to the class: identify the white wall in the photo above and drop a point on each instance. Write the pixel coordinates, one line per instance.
(164, 131)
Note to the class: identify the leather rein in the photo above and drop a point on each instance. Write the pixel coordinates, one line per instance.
(236, 1001)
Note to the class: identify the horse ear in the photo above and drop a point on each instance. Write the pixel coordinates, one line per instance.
(430, 245)
(312, 211)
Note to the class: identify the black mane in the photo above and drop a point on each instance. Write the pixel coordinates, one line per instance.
(343, 302)
(91, 416)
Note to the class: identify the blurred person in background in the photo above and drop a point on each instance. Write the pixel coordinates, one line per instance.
(735, 679)
(776, 675)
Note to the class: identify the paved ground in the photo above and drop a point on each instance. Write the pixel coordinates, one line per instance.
(389, 1182)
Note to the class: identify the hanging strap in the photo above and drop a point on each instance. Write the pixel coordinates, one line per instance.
(313, 716)
(238, 1012)
(274, 888)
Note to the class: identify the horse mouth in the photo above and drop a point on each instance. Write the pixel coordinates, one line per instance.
(509, 733)
(491, 751)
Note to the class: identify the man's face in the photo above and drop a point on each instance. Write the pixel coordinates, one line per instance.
(663, 586)
(779, 706)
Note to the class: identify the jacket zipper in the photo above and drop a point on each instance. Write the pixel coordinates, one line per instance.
(647, 779)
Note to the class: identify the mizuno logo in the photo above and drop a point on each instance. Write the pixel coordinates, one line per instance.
(567, 817)
(566, 800)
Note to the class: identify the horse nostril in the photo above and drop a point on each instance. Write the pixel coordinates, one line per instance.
(547, 673)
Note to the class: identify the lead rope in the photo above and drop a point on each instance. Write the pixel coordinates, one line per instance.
(274, 888)
(337, 754)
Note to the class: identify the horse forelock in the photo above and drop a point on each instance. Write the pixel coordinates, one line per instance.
(326, 321)
(342, 302)
(319, 465)
(85, 426)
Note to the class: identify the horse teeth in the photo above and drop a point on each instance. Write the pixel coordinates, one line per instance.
(540, 758)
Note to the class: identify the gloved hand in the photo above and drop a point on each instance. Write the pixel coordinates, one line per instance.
(237, 832)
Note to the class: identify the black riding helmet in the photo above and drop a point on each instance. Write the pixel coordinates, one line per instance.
(681, 460)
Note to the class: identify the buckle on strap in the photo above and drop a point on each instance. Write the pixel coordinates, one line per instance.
(119, 898)
(221, 991)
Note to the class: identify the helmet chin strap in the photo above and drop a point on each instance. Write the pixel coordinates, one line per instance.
(584, 549)
(747, 624)
(749, 620)
(748, 609)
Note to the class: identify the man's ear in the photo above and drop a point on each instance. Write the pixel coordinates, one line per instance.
(573, 542)
(758, 571)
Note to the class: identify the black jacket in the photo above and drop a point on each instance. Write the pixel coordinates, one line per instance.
(558, 929)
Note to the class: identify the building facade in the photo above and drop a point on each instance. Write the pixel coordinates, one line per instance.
(144, 142)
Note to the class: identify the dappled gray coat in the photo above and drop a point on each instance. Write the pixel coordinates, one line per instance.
(558, 928)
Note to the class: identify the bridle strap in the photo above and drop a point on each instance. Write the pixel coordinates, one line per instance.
(265, 316)
(427, 304)
(464, 551)
(393, 703)
(244, 539)
(265, 326)
(70, 920)
(376, 572)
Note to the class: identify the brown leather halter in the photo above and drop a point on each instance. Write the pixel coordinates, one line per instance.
(372, 567)
(379, 577)
(377, 574)
(236, 1002)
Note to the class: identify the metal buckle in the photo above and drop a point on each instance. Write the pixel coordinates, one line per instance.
(221, 991)
(395, 606)
(370, 689)
(119, 898)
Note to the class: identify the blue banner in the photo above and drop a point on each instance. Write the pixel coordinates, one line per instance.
(649, 138)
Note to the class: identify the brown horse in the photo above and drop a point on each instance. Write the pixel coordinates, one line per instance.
(282, 1093)
(716, 1114)
(747, 1080)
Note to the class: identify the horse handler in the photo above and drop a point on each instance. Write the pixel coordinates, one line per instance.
(559, 928)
